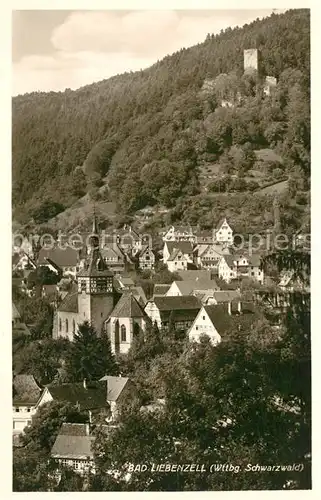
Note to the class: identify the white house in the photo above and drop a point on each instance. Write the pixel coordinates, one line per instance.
(26, 397)
(179, 233)
(146, 258)
(239, 266)
(224, 232)
(208, 256)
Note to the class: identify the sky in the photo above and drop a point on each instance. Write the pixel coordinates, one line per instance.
(58, 49)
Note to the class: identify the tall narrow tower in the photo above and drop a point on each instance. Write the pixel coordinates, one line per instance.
(96, 292)
(251, 60)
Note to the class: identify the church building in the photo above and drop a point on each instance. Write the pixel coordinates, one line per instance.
(95, 297)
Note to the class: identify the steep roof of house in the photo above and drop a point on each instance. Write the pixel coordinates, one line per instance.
(115, 386)
(95, 266)
(161, 289)
(229, 259)
(177, 303)
(108, 252)
(69, 303)
(25, 390)
(91, 397)
(127, 307)
(220, 223)
(15, 312)
(62, 257)
(185, 246)
(73, 442)
(175, 253)
(144, 250)
(226, 323)
(194, 275)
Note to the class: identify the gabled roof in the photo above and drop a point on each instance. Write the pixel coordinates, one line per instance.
(73, 442)
(230, 260)
(144, 250)
(185, 246)
(175, 253)
(25, 390)
(62, 257)
(115, 386)
(221, 222)
(225, 322)
(161, 289)
(69, 303)
(108, 252)
(127, 307)
(194, 274)
(177, 303)
(92, 397)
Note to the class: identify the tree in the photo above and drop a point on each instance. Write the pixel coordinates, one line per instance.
(90, 356)
(47, 210)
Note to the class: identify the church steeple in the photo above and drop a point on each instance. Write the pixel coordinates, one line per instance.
(94, 239)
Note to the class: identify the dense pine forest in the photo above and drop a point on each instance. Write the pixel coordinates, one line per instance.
(141, 138)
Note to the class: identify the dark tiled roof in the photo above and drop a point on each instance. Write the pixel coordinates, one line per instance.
(25, 390)
(62, 257)
(69, 303)
(225, 323)
(185, 246)
(177, 303)
(73, 442)
(193, 275)
(115, 386)
(161, 289)
(189, 286)
(127, 307)
(175, 253)
(229, 259)
(94, 396)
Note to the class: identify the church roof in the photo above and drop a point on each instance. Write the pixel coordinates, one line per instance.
(95, 266)
(127, 307)
(69, 303)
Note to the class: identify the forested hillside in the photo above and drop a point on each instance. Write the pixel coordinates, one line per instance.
(145, 135)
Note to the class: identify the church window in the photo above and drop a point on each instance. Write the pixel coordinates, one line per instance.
(73, 326)
(123, 333)
(60, 325)
(66, 325)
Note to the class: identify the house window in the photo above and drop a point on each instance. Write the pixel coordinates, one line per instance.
(66, 325)
(28, 410)
(73, 326)
(196, 328)
(60, 325)
(204, 317)
(17, 410)
(83, 285)
(123, 333)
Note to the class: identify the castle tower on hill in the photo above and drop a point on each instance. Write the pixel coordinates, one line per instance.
(252, 60)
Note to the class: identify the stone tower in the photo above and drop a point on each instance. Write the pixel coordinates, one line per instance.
(251, 60)
(96, 294)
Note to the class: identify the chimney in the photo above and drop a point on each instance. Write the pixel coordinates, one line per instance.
(229, 308)
(84, 383)
(239, 306)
